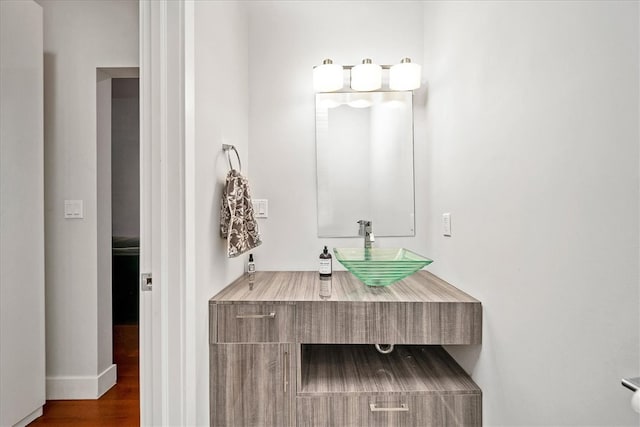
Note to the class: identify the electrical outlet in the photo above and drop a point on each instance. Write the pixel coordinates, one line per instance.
(260, 208)
(446, 224)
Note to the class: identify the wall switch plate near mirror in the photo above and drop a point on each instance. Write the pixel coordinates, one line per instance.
(364, 145)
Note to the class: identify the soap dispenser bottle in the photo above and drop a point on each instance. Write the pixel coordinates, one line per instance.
(251, 270)
(325, 268)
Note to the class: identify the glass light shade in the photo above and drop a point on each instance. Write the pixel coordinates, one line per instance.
(405, 76)
(366, 76)
(328, 77)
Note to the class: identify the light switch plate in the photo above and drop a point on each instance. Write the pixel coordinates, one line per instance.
(260, 208)
(446, 224)
(73, 209)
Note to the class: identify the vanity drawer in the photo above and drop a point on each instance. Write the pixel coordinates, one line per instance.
(255, 323)
(360, 322)
(384, 410)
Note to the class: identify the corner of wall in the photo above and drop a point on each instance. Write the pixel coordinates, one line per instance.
(81, 387)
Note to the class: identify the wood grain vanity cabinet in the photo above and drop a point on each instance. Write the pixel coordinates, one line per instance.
(252, 384)
(282, 356)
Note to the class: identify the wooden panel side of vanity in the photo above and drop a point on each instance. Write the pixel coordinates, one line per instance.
(251, 385)
(388, 322)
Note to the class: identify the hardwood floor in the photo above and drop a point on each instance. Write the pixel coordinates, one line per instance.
(120, 406)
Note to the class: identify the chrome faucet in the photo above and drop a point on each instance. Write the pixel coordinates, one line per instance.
(366, 231)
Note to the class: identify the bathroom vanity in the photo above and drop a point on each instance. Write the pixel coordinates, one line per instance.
(280, 355)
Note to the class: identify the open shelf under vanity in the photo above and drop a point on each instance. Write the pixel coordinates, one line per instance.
(360, 368)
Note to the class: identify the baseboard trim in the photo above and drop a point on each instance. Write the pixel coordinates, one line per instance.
(107, 379)
(29, 418)
(77, 387)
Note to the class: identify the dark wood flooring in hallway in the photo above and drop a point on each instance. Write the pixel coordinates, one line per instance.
(120, 406)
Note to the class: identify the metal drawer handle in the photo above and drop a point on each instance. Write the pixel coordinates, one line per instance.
(285, 369)
(271, 315)
(374, 408)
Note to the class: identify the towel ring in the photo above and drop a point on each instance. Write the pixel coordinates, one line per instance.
(227, 148)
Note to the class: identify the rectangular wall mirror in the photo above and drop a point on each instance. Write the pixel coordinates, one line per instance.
(364, 144)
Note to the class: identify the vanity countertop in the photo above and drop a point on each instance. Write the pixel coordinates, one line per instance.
(419, 309)
(304, 286)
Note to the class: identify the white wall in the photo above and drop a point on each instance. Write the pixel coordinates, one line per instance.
(286, 39)
(221, 116)
(532, 145)
(22, 362)
(79, 37)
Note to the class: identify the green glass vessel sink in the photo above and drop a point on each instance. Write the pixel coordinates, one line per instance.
(380, 266)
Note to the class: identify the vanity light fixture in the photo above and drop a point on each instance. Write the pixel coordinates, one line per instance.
(405, 75)
(328, 77)
(366, 76)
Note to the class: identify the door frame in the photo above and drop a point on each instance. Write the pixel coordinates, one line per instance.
(168, 379)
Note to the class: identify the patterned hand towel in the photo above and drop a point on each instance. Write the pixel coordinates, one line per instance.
(237, 221)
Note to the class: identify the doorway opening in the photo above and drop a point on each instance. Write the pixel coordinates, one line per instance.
(125, 229)
(118, 165)
(125, 200)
